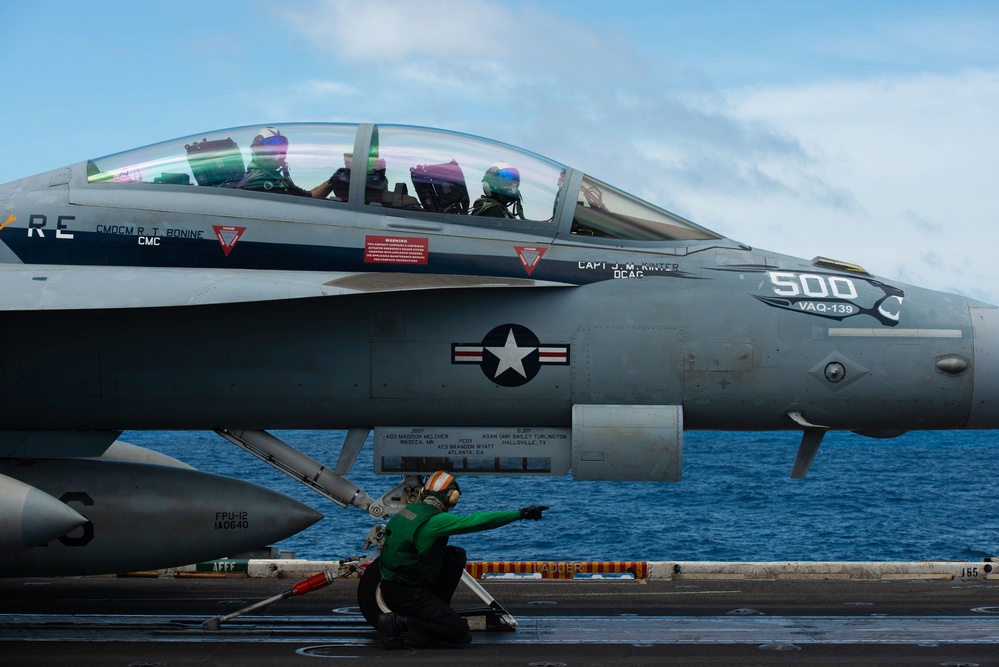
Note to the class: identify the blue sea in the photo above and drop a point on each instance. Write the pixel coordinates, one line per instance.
(922, 496)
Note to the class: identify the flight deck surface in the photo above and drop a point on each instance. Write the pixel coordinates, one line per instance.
(138, 621)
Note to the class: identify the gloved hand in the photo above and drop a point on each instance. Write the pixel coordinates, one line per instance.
(533, 512)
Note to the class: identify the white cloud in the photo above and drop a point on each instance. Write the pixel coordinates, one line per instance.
(918, 154)
(391, 30)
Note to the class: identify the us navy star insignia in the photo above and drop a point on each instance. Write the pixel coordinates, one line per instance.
(510, 355)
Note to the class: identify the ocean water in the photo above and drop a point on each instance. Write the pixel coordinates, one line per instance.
(922, 496)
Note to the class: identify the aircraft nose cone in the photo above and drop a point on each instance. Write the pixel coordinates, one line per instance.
(45, 518)
(292, 516)
(985, 399)
(30, 517)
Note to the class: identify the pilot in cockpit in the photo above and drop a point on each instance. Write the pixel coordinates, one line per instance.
(268, 169)
(500, 193)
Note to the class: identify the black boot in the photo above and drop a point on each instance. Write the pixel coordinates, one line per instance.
(390, 627)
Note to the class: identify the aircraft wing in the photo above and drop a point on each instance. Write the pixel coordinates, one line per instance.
(48, 287)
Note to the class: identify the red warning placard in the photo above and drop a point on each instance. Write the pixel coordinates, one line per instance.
(396, 250)
(227, 236)
(529, 256)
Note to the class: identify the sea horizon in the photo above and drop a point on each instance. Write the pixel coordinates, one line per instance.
(926, 495)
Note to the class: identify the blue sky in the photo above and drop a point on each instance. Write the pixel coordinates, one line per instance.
(863, 131)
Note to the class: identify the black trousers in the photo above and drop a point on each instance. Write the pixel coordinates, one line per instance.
(428, 609)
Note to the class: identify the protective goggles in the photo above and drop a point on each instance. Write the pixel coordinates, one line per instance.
(274, 141)
(509, 174)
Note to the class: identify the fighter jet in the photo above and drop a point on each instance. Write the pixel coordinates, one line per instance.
(480, 308)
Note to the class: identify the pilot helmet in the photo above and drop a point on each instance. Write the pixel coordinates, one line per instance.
(502, 180)
(444, 487)
(270, 143)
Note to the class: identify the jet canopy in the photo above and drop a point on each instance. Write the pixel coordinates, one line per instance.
(419, 171)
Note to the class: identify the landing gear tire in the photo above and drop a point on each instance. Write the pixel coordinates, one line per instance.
(369, 597)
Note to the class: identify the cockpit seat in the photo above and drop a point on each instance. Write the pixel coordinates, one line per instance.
(173, 179)
(440, 187)
(340, 180)
(217, 163)
(399, 197)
